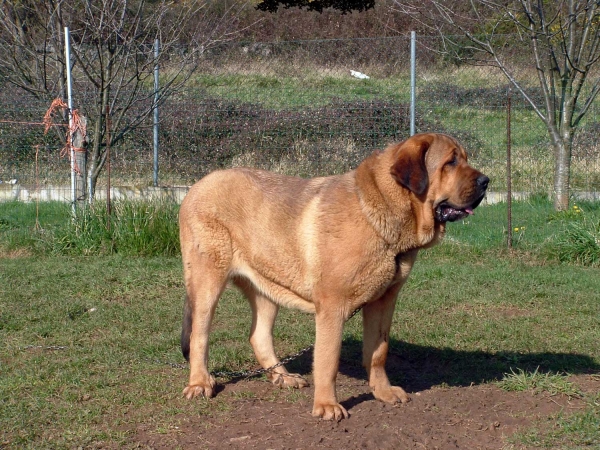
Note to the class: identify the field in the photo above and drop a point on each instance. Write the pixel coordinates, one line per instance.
(498, 349)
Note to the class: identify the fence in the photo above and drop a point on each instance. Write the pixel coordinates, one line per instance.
(296, 107)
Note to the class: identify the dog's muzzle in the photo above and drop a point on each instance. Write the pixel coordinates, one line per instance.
(446, 212)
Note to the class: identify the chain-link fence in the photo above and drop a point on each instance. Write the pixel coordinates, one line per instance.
(306, 108)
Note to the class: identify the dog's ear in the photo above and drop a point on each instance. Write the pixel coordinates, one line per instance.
(409, 170)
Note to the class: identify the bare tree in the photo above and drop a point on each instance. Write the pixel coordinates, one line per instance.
(112, 53)
(562, 39)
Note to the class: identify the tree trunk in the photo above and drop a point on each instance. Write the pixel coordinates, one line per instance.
(95, 157)
(79, 142)
(562, 165)
(100, 132)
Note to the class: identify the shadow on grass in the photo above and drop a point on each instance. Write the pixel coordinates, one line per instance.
(417, 368)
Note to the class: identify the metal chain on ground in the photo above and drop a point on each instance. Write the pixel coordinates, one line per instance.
(44, 347)
(242, 373)
(256, 372)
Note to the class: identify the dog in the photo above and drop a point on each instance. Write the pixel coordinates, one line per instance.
(327, 246)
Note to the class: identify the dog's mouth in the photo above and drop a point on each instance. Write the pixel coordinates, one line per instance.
(446, 212)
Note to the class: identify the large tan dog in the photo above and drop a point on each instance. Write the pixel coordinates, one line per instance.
(325, 246)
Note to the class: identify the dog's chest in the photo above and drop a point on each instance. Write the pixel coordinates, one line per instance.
(375, 278)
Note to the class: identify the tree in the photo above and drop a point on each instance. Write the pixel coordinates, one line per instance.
(563, 40)
(112, 51)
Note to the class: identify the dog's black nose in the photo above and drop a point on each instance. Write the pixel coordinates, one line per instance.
(482, 181)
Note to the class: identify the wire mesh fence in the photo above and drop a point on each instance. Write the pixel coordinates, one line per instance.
(305, 108)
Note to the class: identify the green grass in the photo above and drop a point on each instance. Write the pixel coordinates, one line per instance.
(579, 430)
(86, 339)
(138, 228)
(283, 92)
(144, 228)
(580, 240)
(537, 382)
(119, 320)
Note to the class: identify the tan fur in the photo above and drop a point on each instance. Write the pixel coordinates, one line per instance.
(325, 246)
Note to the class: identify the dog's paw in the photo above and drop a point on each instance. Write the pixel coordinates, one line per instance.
(288, 380)
(206, 390)
(333, 411)
(391, 394)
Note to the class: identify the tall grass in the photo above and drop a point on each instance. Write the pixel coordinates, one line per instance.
(579, 241)
(143, 228)
(133, 228)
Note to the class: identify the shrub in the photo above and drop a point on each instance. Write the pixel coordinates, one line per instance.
(579, 242)
(134, 228)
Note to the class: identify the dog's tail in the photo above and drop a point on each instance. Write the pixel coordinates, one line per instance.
(186, 329)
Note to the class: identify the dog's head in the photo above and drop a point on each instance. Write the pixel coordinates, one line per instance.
(434, 167)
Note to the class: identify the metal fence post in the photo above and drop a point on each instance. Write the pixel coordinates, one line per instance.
(70, 131)
(509, 235)
(155, 108)
(413, 78)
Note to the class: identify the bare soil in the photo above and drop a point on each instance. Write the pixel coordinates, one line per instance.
(255, 414)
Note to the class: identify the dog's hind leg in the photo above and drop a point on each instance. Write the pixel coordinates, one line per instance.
(205, 268)
(264, 313)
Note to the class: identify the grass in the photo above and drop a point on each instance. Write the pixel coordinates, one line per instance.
(142, 228)
(132, 228)
(88, 338)
(580, 241)
(119, 319)
(279, 92)
(537, 382)
(579, 430)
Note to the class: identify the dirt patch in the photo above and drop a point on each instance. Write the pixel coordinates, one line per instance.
(15, 253)
(260, 416)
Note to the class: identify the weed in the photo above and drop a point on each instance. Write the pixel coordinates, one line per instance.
(579, 241)
(538, 382)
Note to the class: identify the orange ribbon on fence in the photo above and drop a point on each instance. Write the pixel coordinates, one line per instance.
(76, 126)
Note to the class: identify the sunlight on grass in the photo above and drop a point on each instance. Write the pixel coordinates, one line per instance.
(94, 340)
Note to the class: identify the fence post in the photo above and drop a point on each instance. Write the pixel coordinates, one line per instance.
(413, 79)
(155, 110)
(70, 131)
(509, 235)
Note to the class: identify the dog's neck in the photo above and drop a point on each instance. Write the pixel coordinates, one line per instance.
(390, 208)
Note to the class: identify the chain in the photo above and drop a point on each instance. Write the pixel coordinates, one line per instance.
(255, 372)
(42, 347)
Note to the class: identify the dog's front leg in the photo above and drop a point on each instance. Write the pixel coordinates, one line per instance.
(377, 321)
(328, 343)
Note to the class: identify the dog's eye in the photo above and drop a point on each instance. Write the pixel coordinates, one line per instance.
(453, 161)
